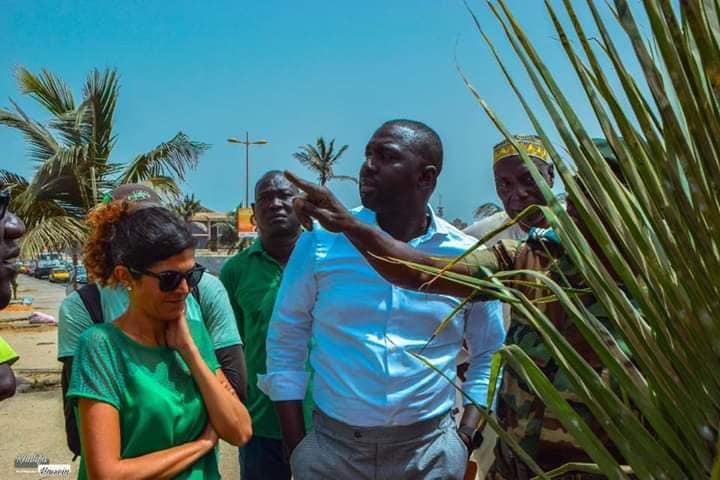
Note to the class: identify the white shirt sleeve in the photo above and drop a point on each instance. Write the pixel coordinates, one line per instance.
(290, 326)
(485, 334)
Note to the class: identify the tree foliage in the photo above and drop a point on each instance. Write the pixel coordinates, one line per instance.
(72, 151)
(187, 207)
(322, 159)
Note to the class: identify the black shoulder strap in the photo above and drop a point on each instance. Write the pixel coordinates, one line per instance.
(90, 296)
(196, 293)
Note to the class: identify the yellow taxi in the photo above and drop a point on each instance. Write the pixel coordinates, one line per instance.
(59, 275)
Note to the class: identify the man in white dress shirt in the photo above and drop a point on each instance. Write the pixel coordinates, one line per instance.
(381, 413)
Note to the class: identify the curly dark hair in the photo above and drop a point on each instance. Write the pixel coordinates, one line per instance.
(134, 237)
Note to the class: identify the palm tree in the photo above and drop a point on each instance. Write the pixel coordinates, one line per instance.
(322, 159)
(188, 207)
(72, 155)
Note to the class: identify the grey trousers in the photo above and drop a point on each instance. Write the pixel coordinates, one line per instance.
(333, 450)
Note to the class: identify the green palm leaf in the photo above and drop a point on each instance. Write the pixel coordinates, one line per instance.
(658, 235)
(72, 152)
(321, 158)
(173, 157)
(49, 90)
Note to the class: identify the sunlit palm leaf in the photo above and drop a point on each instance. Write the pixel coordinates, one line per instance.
(320, 158)
(172, 158)
(41, 143)
(56, 232)
(101, 90)
(46, 88)
(74, 168)
(659, 235)
(166, 187)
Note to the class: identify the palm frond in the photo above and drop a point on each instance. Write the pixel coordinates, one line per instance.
(309, 157)
(17, 184)
(320, 158)
(42, 145)
(166, 187)
(101, 91)
(75, 126)
(47, 89)
(172, 158)
(14, 180)
(647, 247)
(346, 178)
(55, 233)
(336, 156)
(322, 148)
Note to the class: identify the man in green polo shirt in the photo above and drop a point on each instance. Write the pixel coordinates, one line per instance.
(252, 278)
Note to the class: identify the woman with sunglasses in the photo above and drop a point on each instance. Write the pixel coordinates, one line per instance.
(151, 399)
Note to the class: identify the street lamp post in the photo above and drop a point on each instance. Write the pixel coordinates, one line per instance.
(247, 144)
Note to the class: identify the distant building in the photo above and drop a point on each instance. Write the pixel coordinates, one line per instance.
(208, 228)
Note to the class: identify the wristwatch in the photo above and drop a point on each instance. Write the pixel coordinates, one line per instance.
(473, 435)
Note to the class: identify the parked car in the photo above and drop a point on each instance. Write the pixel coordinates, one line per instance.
(59, 275)
(44, 268)
(45, 263)
(78, 278)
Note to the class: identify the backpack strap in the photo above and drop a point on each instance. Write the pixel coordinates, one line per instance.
(90, 296)
(196, 293)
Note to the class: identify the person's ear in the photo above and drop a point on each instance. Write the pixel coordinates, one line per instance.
(550, 177)
(428, 177)
(123, 276)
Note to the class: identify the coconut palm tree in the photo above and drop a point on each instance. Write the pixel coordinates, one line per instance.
(188, 207)
(322, 158)
(72, 154)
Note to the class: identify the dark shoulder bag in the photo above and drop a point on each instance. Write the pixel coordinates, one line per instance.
(90, 296)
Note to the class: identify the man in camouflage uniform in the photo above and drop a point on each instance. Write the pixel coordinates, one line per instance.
(519, 410)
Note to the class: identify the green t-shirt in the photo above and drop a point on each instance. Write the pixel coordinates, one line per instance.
(214, 310)
(252, 279)
(7, 354)
(159, 404)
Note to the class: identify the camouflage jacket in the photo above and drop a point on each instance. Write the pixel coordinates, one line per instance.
(519, 410)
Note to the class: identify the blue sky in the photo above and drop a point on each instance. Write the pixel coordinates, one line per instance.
(287, 71)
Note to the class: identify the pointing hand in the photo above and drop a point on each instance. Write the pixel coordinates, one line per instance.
(319, 203)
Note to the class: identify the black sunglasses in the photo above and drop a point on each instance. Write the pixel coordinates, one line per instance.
(170, 280)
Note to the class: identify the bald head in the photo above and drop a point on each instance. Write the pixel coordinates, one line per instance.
(274, 215)
(273, 177)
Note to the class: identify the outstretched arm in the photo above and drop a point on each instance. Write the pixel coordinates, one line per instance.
(319, 203)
